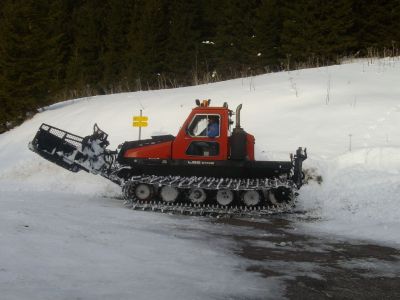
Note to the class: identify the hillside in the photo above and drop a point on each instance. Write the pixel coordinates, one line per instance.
(315, 108)
(72, 49)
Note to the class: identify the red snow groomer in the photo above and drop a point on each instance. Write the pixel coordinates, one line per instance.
(208, 168)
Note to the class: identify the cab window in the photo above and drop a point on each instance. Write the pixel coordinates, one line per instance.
(204, 126)
(203, 148)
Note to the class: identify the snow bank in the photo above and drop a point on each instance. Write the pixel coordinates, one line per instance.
(359, 196)
(329, 110)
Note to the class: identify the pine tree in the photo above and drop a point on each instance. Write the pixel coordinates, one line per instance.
(268, 34)
(182, 41)
(116, 48)
(60, 25)
(206, 20)
(147, 42)
(316, 29)
(85, 68)
(28, 56)
(377, 24)
(235, 31)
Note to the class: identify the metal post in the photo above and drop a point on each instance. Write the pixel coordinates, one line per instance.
(350, 135)
(140, 128)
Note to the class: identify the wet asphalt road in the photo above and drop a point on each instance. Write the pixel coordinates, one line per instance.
(311, 267)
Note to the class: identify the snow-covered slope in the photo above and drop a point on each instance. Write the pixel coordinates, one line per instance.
(323, 109)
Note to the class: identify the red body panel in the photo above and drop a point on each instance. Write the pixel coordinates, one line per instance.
(250, 146)
(177, 149)
(183, 139)
(162, 150)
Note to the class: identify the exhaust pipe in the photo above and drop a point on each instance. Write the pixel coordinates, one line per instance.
(238, 115)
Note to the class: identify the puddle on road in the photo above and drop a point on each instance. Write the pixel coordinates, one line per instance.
(316, 267)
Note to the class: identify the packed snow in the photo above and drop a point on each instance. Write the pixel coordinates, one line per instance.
(55, 222)
(58, 246)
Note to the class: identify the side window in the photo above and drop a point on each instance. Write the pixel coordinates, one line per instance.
(203, 148)
(205, 126)
(198, 126)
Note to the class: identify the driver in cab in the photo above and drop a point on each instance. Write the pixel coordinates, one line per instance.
(213, 126)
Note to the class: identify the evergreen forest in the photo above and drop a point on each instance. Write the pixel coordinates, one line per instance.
(52, 50)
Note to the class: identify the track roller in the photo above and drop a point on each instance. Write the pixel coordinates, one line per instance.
(197, 195)
(128, 190)
(251, 198)
(224, 197)
(282, 194)
(144, 192)
(169, 194)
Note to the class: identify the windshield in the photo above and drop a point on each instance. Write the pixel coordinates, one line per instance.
(201, 124)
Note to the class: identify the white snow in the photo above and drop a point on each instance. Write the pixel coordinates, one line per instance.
(73, 230)
(54, 246)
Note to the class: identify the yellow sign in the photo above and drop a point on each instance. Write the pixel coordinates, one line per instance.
(139, 124)
(140, 119)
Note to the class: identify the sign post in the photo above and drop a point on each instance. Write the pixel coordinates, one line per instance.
(350, 135)
(140, 121)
